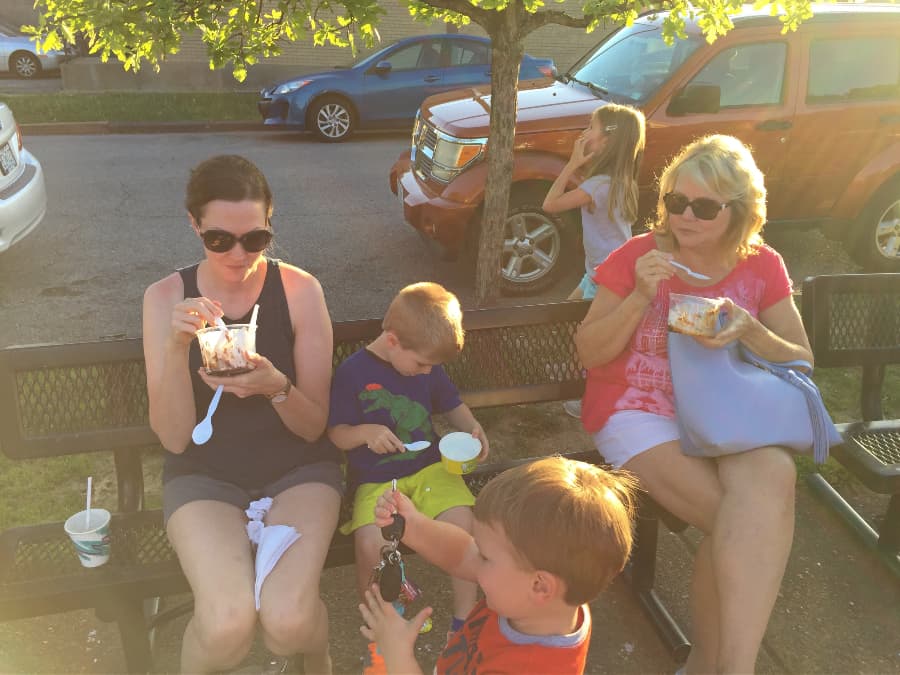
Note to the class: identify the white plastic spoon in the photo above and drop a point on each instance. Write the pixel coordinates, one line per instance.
(691, 273)
(417, 446)
(203, 431)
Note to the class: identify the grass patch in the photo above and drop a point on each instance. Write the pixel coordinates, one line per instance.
(134, 107)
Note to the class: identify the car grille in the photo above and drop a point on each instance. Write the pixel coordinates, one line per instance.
(423, 142)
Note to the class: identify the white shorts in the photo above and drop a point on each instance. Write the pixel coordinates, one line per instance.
(628, 433)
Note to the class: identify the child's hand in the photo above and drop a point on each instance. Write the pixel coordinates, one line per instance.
(394, 635)
(580, 153)
(381, 440)
(478, 433)
(391, 502)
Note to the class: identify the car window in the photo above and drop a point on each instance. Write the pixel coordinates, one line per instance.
(469, 53)
(634, 62)
(854, 69)
(406, 58)
(751, 74)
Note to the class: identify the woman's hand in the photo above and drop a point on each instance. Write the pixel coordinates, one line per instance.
(740, 322)
(264, 379)
(649, 270)
(192, 314)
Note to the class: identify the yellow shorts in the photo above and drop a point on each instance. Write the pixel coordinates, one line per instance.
(433, 490)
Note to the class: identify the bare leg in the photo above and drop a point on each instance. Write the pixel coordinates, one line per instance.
(293, 616)
(210, 538)
(367, 543)
(690, 489)
(752, 540)
(465, 593)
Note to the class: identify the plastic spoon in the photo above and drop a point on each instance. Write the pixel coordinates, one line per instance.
(691, 273)
(417, 446)
(203, 431)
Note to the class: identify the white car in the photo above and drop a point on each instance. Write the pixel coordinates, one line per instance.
(23, 197)
(19, 55)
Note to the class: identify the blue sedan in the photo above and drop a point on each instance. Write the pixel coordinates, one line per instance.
(386, 88)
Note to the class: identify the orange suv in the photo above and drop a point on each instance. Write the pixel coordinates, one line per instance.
(820, 107)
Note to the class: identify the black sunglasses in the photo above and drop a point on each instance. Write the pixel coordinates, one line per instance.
(220, 241)
(703, 208)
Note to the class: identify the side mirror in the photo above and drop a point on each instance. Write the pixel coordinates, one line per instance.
(696, 98)
(383, 67)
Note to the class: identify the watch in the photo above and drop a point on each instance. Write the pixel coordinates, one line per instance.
(281, 395)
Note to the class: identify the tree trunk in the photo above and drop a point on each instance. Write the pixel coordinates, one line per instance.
(506, 55)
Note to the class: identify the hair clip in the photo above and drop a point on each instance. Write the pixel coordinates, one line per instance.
(610, 127)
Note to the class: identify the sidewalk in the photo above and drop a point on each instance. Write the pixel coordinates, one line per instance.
(838, 612)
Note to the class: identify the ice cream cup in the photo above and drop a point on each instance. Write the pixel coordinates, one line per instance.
(90, 537)
(459, 452)
(224, 353)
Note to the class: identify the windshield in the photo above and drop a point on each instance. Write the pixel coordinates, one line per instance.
(633, 62)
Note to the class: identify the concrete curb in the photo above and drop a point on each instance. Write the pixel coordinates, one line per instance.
(63, 128)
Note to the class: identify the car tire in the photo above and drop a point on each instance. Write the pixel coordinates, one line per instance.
(535, 248)
(331, 119)
(877, 246)
(25, 66)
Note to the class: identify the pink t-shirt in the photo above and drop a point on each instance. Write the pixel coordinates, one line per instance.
(639, 378)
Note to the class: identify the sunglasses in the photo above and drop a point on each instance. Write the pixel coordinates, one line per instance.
(220, 241)
(703, 208)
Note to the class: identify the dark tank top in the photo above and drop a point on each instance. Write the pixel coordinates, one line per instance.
(250, 446)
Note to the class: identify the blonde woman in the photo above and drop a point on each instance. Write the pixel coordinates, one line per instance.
(711, 209)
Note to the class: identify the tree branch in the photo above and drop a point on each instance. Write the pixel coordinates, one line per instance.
(538, 19)
(480, 16)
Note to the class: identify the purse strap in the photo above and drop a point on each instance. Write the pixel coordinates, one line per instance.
(818, 415)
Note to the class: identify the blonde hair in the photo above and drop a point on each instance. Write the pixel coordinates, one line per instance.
(568, 518)
(426, 318)
(723, 165)
(620, 158)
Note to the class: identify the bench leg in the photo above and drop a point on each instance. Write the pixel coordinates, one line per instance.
(135, 637)
(643, 574)
(886, 545)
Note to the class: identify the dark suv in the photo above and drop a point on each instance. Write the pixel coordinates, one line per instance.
(820, 107)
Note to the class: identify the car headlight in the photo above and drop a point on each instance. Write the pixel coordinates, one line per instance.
(452, 155)
(288, 87)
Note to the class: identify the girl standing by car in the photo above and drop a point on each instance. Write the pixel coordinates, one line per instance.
(608, 152)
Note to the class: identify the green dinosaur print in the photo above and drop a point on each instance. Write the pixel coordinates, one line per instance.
(408, 415)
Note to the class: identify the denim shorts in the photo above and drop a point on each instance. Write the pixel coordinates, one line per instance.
(195, 487)
(588, 287)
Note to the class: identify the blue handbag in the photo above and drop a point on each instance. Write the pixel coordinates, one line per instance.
(730, 400)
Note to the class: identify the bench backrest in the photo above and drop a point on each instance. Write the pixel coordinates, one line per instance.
(89, 397)
(854, 320)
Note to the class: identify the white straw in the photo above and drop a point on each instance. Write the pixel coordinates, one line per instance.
(253, 316)
(87, 517)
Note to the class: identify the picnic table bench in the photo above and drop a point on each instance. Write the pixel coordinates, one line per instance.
(853, 320)
(66, 399)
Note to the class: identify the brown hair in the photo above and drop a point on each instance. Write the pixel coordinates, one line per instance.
(231, 178)
(620, 158)
(723, 165)
(426, 318)
(568, 518)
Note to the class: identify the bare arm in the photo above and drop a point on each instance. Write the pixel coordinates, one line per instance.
(557, 198)
(376, 437)
(169, 324)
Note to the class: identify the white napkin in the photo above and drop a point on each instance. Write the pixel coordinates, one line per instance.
(271, 540)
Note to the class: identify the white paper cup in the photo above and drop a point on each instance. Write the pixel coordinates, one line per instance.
(91, 541)
(459, 452)
(224, 353)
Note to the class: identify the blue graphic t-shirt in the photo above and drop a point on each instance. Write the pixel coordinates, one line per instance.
(368, 390)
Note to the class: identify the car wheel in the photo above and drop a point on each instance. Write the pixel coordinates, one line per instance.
(25, 65)
(877, 246)
(534, 248)
(331, 119)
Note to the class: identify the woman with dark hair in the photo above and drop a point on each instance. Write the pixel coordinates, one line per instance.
(268, 439)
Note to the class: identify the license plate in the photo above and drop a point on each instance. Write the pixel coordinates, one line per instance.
(7, 159)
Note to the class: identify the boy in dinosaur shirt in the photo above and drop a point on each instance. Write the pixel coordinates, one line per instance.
(383, 396)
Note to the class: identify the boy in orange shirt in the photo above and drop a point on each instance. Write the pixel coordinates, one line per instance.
(549, 536)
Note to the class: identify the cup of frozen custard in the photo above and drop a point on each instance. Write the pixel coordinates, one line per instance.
(459, 452)
(693, 315)
(224, 351)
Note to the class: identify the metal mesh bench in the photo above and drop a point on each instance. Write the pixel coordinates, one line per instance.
(853, 320)
(60, 400)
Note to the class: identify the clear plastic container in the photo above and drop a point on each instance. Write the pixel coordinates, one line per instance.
(694, 315)
(224, 352)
